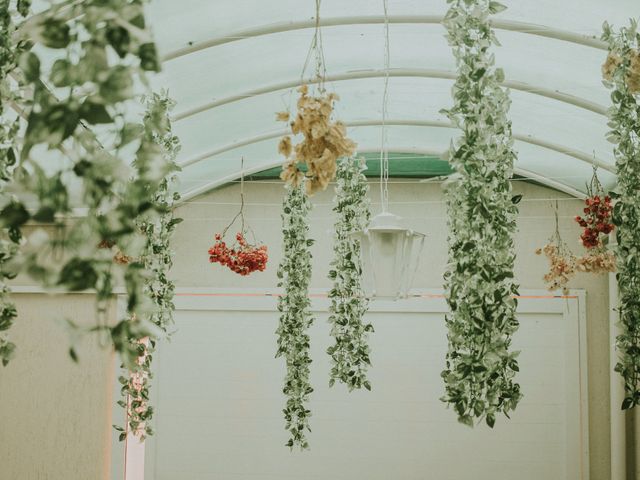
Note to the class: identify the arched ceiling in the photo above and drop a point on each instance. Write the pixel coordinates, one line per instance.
(231, 64)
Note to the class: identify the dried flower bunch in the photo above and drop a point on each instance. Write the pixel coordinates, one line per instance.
(597, 225)
(596, 221)
(324, 142)
(632, 76)
(242, 258)
(562, 264)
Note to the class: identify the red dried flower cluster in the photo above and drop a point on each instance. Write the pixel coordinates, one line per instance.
(596, 221)
(242, 258)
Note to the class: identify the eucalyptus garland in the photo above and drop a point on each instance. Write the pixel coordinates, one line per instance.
(101, 49)
(480, 367)
(622, 76)
(294, 274)
(9, 238)
(350, 352)
(157, 258)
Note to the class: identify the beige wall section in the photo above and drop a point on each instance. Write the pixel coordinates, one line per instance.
(57, 415)
(422, 204)
(54, 414)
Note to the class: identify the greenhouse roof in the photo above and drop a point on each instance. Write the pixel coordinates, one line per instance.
(231, 64)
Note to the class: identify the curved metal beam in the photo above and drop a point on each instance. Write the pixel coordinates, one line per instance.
(395, 72)
(281, 27)
(408, 123)
(185, 197)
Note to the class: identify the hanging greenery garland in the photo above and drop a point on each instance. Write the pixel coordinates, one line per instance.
(480, 367)
(350, 352)
(11, 94)
(157, 258)
(294, 274)
(621, 72)
(101, 50)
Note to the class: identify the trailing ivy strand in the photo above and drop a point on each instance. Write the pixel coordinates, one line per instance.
(294, 274)
(350, 352)
(480, 366)
(99, 52)
(10, 94)
(622, 76)
(157, 258)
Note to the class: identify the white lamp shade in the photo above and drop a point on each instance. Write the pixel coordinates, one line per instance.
(390, 254)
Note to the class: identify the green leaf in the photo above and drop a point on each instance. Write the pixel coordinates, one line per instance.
(55, 33)
(94, 113)
(496, 7)
(29, 64)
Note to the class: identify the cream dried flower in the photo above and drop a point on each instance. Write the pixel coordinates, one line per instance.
(324, 142)
(609, 67)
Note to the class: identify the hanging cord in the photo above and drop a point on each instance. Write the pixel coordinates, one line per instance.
(594, 187)
(384, 154)
(317, 50)
(241, 212)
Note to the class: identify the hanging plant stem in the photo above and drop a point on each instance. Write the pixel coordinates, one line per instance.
(294, 274)
(97, 59)
(9, 127)
(480, 367)
(621, 73)
(350, 352)
(157, 258)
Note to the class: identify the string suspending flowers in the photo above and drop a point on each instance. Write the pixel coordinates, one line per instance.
(241, 256)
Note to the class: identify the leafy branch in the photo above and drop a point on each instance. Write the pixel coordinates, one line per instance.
(480, 368)
(99, 56)
(9, 238)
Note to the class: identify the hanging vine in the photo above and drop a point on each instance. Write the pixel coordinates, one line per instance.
(100, 49)
(294, 274)
(480, 367)
(10, 94)
(350, 352)
(157, 258)
(621, 72)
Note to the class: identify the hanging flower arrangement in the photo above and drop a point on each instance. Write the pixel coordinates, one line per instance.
(324, 141)
(480, 368)
(597, 225)
(350, 352)
(562, 262)
(241, 257)
(294, 274)
(622, 77)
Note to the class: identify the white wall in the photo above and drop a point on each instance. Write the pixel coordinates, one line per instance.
(46, 374)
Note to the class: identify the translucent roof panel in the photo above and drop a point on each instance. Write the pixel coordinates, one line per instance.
(231, 64)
